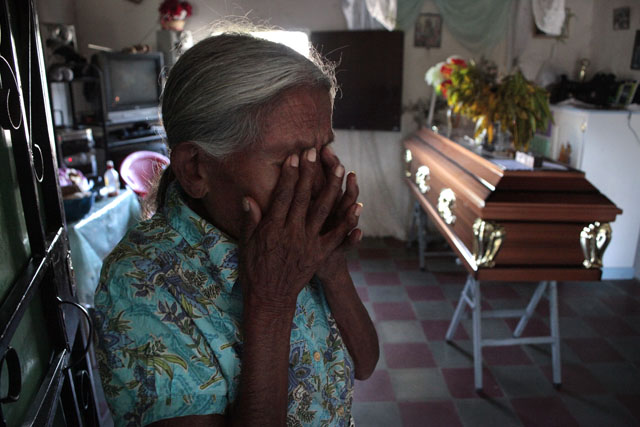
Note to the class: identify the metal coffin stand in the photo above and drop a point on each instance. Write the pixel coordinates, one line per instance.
(543, 225)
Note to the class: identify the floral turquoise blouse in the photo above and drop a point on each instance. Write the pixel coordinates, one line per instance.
(168, 315)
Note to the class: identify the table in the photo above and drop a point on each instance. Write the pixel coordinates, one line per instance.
(94, 236)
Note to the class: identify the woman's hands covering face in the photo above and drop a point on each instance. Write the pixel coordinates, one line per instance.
(336, 264)
(283, 248)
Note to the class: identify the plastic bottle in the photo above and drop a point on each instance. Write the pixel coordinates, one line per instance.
(111, 179)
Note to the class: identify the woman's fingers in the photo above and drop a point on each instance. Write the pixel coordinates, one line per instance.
(339, 235)
(325, 202)
(329, 159)
(300, 202)
(252, 217)
(285, 189)
(352, 239)
(350, 195)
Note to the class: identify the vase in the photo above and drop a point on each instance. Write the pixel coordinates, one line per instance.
(502, 142)
(501, 138)
(453, 122)
(173, 25)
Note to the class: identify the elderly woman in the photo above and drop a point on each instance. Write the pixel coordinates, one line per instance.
(233, 304)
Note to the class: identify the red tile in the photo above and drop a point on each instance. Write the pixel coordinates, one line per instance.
(576, 290)
(433, 414)
(407, 264)
(611, 326)
(373, 253)
(576, 379)
(382, 278)
(408, 355)
(498, 291)
(543, 411)
(435, 330)
(377, 388)
(363, 293)
(621, 305)
(505, 355)
(535, 327)
(451, 278)
(484, 305)
(632, 287)
(392, 242)
(354, 265)
(425, 293)
(461, 383)
(593, 350)
(632, 403)
(393, 311)
(563, 309)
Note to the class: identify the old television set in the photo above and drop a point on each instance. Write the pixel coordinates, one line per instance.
(369, 75)
(131, 85)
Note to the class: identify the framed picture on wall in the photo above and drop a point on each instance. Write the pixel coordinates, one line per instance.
(428, 31)
(635, 55)
(621, 18)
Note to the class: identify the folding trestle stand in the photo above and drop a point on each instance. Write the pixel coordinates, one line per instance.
(471, 297)
(418, 231)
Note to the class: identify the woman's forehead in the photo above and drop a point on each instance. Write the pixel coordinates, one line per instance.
(302, 119)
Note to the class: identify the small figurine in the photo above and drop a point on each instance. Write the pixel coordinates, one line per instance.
(565, 154)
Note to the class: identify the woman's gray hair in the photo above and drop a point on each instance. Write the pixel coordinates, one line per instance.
(218, 91)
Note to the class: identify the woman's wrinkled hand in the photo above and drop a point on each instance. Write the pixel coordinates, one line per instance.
(346, 209)
(281, 250)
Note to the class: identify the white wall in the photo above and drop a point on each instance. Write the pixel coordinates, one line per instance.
(532, 51)
(612, 49)
(637, 261)
(118, 24)
(123, 23)
(56, 11)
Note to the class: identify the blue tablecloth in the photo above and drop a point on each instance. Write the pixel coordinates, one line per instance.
(93, 237)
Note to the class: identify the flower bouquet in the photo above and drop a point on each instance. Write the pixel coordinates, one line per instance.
(511, 103)
(439, 76)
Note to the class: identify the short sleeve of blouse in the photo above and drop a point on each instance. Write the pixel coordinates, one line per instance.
(154, 363)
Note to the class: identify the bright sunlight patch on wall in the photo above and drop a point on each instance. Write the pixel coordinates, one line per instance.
(296, 40)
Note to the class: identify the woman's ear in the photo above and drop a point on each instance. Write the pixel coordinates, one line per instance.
(189, 164)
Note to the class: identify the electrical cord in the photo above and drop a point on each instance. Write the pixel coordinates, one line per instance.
(631, 128)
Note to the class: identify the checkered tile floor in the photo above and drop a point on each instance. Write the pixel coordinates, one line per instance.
(421, 380)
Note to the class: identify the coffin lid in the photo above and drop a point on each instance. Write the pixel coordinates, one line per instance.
(499, 194)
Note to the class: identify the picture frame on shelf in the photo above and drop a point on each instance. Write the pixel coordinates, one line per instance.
(428, 31)
(621, 18)
(626, 93)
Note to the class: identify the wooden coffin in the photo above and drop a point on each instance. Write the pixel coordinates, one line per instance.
(546, 223)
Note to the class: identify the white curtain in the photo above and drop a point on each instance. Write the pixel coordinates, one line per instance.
(549, 15)
(379, 14)
(376, 157)
(358, 16)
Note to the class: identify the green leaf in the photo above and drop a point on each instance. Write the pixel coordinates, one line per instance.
(214, 379)
(172, 358)
(162, 365)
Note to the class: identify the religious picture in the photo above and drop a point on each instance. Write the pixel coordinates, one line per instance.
(621, 18)
(635, 55)
(428, 31)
